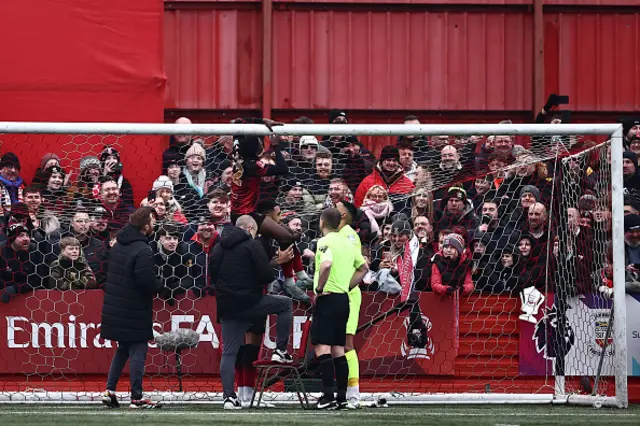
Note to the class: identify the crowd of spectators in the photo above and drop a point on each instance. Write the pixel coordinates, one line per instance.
(480, 214)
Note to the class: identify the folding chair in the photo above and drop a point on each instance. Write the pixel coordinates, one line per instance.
(264, 367)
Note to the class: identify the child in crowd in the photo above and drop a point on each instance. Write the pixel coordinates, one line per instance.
(71, 271)
(451, 268)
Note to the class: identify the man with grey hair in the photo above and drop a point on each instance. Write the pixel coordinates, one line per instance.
(240, 271)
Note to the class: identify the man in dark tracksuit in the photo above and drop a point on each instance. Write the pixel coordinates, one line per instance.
(127, 312)
(240, 271)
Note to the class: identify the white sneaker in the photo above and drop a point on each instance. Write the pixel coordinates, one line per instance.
(232, 403)
(281, 357)
(354, 404)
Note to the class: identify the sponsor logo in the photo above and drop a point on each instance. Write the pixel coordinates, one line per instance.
(418, 344)
(600, 341)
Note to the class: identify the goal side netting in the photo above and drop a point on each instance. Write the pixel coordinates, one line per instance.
(496, 255)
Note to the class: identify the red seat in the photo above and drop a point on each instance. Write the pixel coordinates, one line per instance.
(265, 365)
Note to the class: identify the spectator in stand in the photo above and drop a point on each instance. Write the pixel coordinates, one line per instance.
(631, 131)
(117, 208)
(200, 247)
(482, 264)
(455, 209)
(338, 190)
(176, 267)
(193, 184)
(451, 270)
(407, 162)
(318, 183)
(377, 205)
(54, 192)
(531, 268)
(295, 197)
(387, 173)
(80, 229)
(100, 223)
(631, 206)
(88, 179)
(499, 236)
(218, 207)
(111, 165)
(423, 153)
(450, 171)
(42, 220)
(303, 161)
(537, 228)
(529, 195)
(630, 171)
(48, 160)
(423, 239)
(503, 145)
(162, 190)
(22, 267)
(220, 156)
(505, 279)
(224, 176)
(419, 204)
(423, 177)
(178, 147)
(480, 191)
(71, 270)
(11, 184)
(632, 239)
(296, 224)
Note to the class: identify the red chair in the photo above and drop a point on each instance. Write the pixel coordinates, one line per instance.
(265, 365)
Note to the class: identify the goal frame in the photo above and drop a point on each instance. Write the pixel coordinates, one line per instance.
(614, 131)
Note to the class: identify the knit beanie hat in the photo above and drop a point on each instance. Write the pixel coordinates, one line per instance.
(335, 113)
(89, 162)
(456, 192)
(248, 147)
(15, 230)
(390, 152)
(48, 156)
(456, 241)
(530, 189)
(107, 151)
(291, 183)
(630, 155)
(631, 222)
(196, 149)
(628, 123)
(10, 159)
(401, 227)
(162, 182)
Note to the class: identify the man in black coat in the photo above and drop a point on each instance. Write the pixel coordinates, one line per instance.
(127, 312)
(240, 271)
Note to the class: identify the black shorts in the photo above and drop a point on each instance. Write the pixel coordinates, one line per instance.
(259, 218)
(330, 316)
(258, 327)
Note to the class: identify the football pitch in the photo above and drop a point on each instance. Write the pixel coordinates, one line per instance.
(71, 415)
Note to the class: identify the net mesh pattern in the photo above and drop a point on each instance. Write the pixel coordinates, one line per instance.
(489, 256)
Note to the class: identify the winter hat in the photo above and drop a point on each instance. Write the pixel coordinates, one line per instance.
(456, 241)
(630, 155)
(107, 151)
(89, 162)
(335, 113)
(292, 183)
(196, 149)
(48, 156)
(631, 222)
(19, 210)
(308, 140)
(401, 227)
(10, 159)
(15, 230)
(628, 123)
(52, 170)
(390, 152)
(163, 182)
(456, 192)
(248, 146)
(100, 212)
(530, 189)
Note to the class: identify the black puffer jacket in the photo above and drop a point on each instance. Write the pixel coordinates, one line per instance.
(132, 282)
(239, 270)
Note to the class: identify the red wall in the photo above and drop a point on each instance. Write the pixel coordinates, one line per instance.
(420, 55)
(83, 61)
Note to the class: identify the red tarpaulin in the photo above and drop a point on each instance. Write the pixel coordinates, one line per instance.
(83, 61)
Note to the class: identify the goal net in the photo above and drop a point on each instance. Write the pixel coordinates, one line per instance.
(492, 254)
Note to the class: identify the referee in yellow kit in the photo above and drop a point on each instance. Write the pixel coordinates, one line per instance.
(338, 269)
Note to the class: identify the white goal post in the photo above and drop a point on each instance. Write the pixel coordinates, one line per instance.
(613, 132)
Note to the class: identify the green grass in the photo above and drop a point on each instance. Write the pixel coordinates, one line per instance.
(72, 415)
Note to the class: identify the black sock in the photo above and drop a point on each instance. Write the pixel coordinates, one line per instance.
(241, 355)
(342, 376)
(325, 365)
(251, 353)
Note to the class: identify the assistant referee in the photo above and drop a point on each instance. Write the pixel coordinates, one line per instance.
(338, 269)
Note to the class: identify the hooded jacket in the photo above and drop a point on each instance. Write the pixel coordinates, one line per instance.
(398, 183)
(132, 283)
(239, 270)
